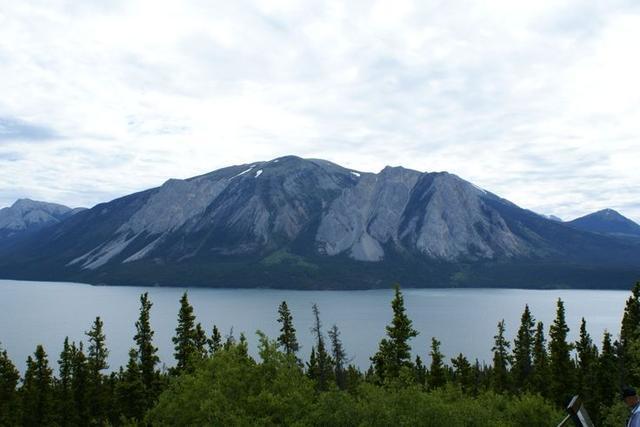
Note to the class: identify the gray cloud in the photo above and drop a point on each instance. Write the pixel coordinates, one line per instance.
(18, 130)
(537, 102)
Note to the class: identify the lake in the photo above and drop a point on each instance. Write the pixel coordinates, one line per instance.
(464, 320)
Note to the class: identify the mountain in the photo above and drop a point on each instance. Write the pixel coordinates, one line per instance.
(26, 216)
(607, 221)
(309, 223)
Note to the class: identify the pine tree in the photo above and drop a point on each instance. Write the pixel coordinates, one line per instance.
(394, 351)
(420, 372)
(629, 337)
(185, 338)
(462, 373)
(215, 342)
(147, 352)
(437, 371)
(607, 372)
(96, 363)
(37, 395)
(323, 363)
(287, 338)
(243, 345)
(9, 404)
(63, 389)
(501, 360)
(200, 342)
(130, 390)
(339, 357)
(561, 369)
(522, 351)
(540, 363)
(80, 385)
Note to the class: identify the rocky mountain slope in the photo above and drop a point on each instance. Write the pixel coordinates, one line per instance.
(27, 215)
(309, 223)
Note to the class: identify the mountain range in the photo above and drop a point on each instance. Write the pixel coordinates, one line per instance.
(312, 224)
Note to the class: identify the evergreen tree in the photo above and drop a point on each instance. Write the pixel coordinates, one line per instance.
(462, 373)
(394, 351)
(437, 371)
(561, 369)
(230, 340)
(339, 357)
(540, 361)
(9, 403)
(630, 335)
(287, 338)
(96, 363)
(200, 342)
(130, 390)
(501, 360)
(215, 342)
(420, 372)
(522, 351)
(37, 395)
(185, 338)
(323, 364)
(63, 389)
(147, 352)
(80, 385)
(587, 359)
(243, 345)
(606, 372)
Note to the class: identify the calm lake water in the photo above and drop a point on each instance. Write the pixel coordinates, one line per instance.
(464, 320)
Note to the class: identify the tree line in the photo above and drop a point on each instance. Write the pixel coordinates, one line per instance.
(215, 381)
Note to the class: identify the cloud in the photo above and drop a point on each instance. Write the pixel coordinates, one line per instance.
(18, 130)
(536, 102)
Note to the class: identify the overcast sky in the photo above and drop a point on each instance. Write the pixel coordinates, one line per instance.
(536, 101)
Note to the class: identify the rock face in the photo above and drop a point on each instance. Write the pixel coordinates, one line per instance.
(607, 221)
(296, 222)
(27, 215)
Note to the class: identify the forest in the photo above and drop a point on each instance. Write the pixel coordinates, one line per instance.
(215, 381)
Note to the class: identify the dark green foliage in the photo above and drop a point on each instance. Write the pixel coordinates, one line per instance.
(9, 403)
(561, 368)
(394, 352)
(80, 384)
(287, 339)
(147, 353)
(501, 360)
(130, 390)
(437, 371)
(540, 360)
(63, 386)
(420, 372)
(606, 372)
(231, 389)
(587, 378)
(522, 352)
(629, 338)
(463, 373)
(96, 363)
(339, 356)
(185, 338)
(320, 365)
(215, 342)
(37, 391)
(200, 342)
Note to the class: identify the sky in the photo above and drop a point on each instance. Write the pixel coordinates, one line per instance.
(538, 102)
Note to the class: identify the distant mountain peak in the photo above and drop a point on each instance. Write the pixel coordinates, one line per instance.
(607, 221)
(27, 215)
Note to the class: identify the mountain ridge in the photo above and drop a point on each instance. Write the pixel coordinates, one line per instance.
(310, 223)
